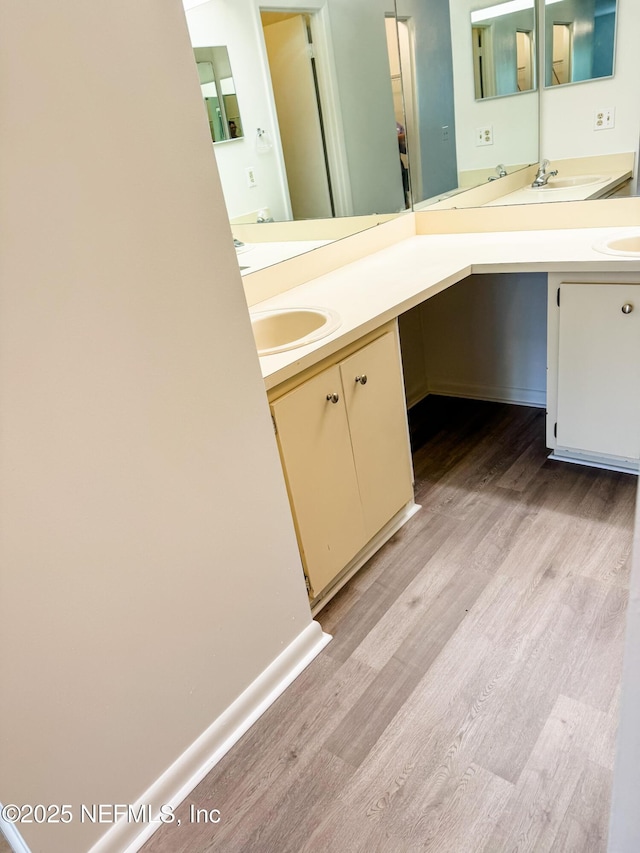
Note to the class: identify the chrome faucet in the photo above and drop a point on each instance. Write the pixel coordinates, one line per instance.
(501, 172)
(543, 176)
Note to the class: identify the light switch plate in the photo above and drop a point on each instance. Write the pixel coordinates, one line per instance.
(251, 177)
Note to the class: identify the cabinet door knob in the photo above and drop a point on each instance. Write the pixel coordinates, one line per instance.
(333, 398)
(627, 308)
(362, 379)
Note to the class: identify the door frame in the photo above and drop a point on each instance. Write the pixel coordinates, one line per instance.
(410, 104)
(329, 94)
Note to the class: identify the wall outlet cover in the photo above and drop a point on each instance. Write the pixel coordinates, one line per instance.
(484, 135)
(604, 119)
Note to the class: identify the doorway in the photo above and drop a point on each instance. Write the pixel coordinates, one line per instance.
(562, 53)
(524, 60)
(484, 75)
(294, 77)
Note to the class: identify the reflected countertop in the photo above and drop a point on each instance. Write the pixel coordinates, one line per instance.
(553, 192)
(256, 256)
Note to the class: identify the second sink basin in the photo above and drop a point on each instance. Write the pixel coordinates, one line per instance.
(287, 328)
(627, 246)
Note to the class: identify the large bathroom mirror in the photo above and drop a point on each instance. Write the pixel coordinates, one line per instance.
(503, 48)
(399, 115)
(580, 37)
(346, 113)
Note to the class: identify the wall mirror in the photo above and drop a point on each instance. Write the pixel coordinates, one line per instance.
(503, 47)
(389, 76)
(579, 40)
(358, 103)
(218, 92)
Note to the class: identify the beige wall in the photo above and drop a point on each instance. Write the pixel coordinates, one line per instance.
(149, 570)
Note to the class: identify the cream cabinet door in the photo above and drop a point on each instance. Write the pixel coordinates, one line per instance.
(376, 409)
(315, 447)
(599, 369)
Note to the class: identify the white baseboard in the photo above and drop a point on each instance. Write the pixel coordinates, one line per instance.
(197, 760)
(589, 462)
(391, 527)
(494, 394)
(13, 837)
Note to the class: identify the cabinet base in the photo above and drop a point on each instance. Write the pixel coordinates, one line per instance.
(629, 467)
(391, 527)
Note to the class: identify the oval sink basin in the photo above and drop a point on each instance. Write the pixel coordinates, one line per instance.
(625, 246)
(287, 328)
(571, 182)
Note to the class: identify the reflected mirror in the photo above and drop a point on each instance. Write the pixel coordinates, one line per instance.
(579, 40)
(218, 92)
(503, 46)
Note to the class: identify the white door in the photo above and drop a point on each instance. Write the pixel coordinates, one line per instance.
(599, 369)
(296, 100)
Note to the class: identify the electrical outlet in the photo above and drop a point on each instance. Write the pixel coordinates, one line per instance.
(604, 119)
(484, 135)
(444, 133)
(251, 177)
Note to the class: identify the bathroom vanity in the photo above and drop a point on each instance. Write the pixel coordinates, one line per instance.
(338, 403)
(342, 434)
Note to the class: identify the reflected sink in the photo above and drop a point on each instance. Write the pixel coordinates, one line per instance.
(626, 246)
(287, 328)
(571, 182)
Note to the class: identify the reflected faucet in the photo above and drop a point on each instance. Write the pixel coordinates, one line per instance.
(501, 172)
(543, 176)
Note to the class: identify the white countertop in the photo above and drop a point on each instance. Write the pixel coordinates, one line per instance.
(385, 284)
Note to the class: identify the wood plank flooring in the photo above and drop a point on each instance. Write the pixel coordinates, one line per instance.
(468, 701)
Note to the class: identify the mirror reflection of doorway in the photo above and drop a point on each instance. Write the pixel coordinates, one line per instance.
(524, 59)
(288, 39)
(484, 75)
(400, 47)
(562, 53)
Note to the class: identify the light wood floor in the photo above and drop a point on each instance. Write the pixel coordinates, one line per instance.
(468, 701)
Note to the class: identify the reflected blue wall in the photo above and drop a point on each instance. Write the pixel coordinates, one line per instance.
(434, 87)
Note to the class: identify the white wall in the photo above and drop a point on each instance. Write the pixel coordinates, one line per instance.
(149, 569)
(568, 111)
